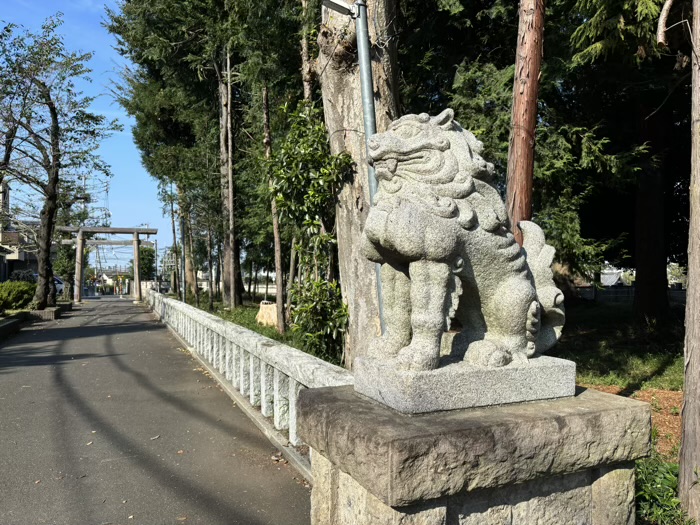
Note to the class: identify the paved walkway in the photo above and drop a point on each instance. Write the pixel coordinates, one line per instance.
(105, 420)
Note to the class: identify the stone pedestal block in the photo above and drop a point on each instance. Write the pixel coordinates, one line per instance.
(462, 385)
(564, 461)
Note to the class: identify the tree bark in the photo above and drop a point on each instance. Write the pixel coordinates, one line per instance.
(290, 280)
(235, 258)
(521, 150)
(190, 259)
(689, 488)
(279, 276)
(651, 282)
(226, 196)
(210, 264)
(48, 210)
(176, 284)
(307, 68)
(339, 76)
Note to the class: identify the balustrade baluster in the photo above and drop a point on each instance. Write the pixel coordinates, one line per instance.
(254, 366)
(281, 400)
(267, 389)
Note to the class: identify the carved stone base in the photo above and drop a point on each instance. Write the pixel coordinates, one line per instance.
(461, 385)
(565, 461)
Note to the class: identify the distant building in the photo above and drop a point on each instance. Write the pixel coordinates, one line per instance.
(14, 244)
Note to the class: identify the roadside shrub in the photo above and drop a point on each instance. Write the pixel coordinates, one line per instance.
(26, 276)
(16, 294)
(657, 493)
(320, 317)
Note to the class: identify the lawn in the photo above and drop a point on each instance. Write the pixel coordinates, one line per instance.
(611, 349)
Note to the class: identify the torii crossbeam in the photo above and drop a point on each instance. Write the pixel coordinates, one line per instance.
(80, 242)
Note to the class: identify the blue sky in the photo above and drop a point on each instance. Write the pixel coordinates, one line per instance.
(132, 197)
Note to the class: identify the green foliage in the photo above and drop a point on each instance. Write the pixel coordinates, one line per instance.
(26, 276)
(305, 176)
(320, 317)
(657, 493)
(15, 295)
(245, 316)
(616, 27)
(305, 179)
(147, 264)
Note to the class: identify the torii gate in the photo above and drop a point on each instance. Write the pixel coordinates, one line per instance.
(80, 243)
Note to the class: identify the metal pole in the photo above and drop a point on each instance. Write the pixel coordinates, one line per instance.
(183, 284)
(368, 112)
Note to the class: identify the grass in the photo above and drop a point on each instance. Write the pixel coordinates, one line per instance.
(245, 316)
(610, 348)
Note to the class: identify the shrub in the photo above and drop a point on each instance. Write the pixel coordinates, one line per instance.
(657, 493)
(26, 276)
(320, 317)
(16, 294)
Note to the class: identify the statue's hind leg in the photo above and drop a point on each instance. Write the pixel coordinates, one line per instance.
(429, 310)
(396, 288)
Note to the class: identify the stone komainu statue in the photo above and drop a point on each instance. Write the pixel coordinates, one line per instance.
(440, 231)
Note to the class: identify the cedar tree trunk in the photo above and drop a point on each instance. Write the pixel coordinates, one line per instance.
(521, 151)
(689, 489)
(339, 75)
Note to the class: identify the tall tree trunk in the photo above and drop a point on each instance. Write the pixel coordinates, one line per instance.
(239, 273)
(190, 280)
(290, 281)
(193, 266)
(521, 150)
(48, 210)
(218, 271)
(235, 256)
(176, 284)
(226, 196)
(339, 76)
(250, 280)
(279, 276)
(689, 486)
(210, 264)
(651, 281)
(307, 67)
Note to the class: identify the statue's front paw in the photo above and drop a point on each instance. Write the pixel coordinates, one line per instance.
(487, 353)
(418, 358)
(383, 348)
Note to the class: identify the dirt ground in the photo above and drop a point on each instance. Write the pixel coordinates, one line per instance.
(665, 416)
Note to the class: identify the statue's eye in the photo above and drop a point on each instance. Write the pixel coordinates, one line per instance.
(407, 131)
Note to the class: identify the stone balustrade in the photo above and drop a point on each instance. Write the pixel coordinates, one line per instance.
(269, 375)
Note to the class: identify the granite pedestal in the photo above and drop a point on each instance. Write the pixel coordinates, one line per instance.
(462, 385)
(564, 461)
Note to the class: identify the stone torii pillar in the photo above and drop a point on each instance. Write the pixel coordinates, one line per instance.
(137, 276)
(78, 289)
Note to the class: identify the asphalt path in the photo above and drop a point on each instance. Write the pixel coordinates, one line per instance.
(105, 419)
